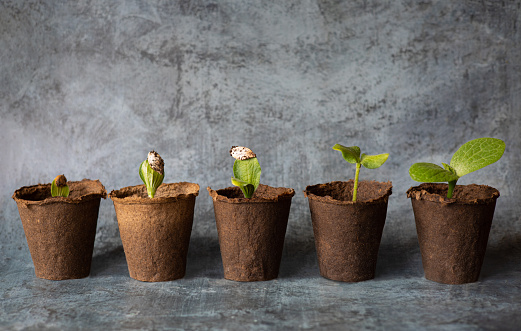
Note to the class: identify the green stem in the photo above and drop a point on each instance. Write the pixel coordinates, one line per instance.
(355, 187)
(452, 185)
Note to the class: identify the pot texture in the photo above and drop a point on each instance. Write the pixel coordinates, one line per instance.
(156, 232)
(453, 233)
(60, 231)
(251, 231)
(347, 233)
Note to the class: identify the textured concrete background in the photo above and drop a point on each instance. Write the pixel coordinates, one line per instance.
(87, 88)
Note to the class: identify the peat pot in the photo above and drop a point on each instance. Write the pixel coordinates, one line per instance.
(453, 233)
(347, 233)
(155, 232)
(60, 231)
(251, 231)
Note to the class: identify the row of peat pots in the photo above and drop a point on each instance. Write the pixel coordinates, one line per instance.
(155, 233)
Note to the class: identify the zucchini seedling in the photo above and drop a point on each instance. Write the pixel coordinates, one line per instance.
(152, 172)
(246, 170)
(352, 155)
(472, 156)
(59, 187)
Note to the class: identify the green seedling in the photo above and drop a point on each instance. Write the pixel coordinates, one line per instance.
(59, 187)
(246, 170)
(352, 155)
(152, 172)
(472, 156)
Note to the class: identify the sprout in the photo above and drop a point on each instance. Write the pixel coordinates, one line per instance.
(152, 172)
(246, 170)
(352, 155)
(59, 187)
(472, 156)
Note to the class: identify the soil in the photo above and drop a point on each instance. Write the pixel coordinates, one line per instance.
(60, 231)
(251, 231)
(347, 233)
(453, 233)
(156, 232)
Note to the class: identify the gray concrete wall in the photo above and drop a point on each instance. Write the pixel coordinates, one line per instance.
(87, 88)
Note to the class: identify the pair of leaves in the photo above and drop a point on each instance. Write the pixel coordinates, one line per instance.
(472, 156)
(352, 155)
(246, 175)
(57, 191)
(150, 177)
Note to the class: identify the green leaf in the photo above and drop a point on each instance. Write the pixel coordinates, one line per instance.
(246, 188)
(59, 191)
(150, 177)
(373, 161)
(449, 168)
(430, 173)
(350, 154)
(477, 154)
(248, 171)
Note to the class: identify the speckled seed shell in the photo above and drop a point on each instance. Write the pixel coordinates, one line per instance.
(241, 153)
(156, 162)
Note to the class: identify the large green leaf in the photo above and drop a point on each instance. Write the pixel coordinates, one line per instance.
(477, 154)
(430, 173)
(351, 154)
(373, 161)
(248, 171)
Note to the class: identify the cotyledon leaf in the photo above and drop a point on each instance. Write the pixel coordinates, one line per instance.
(477, 154)
(373, 161)
(430, 173)
(248, 171)
(350, 154)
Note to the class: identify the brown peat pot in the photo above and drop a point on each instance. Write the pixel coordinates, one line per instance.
(60, 231)
(453, 233)
(347, 233)
(156, 232)
(251, 231)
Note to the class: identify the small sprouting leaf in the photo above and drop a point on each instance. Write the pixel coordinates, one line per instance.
(150, 177)
(248, 171)
(373, 161)
(350, 154)
(59, 187)
(430, 173)
(246, 188)
(477, 154)
(449, 168)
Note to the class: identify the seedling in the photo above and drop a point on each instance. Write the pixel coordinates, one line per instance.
(59, 187)
(246, 170)
(472, 156)
(352, 155)
(152, 172)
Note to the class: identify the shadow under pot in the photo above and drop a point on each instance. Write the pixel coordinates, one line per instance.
(347, 233)
(60, 231)
(251, 231)
(155, 232)
(453, 233)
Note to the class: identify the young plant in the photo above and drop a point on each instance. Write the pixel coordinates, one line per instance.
(59, 187)
(152, 172)
(246, 170)
(352, 155)
(472, 156)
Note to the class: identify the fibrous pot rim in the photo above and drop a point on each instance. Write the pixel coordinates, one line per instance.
(128, 195)
(281, 193)
(95, 190)
(424, 192)
(382, 197)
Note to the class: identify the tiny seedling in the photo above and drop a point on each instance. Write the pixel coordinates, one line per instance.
(472, 156)
(246, 170)
(59, 187)
(152, 172)
(352, 155)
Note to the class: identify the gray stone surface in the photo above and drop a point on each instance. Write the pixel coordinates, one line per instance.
(87, 88)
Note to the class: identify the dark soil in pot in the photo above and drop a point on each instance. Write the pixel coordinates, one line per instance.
(347, 233)
(251, 231)
(60, 231)
(453, 233)
(156, 232)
